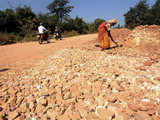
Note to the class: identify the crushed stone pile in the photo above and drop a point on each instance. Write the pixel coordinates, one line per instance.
(120, 34)
(81, 84)
(145, 37)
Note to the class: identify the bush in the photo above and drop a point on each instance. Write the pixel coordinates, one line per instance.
(70, 34)
(30, 37)
(9, 38)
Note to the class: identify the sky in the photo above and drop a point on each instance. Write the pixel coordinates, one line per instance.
(88, 10)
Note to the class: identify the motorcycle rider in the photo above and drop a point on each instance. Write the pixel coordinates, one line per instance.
(57, 33)
(42, 29)
(43, 32)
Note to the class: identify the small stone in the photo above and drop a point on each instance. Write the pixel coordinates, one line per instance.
(151, 111)
(39, 109)
(145, 100)
(142, 116)
(142, 68)
(122, 116)
(58, 98)
(43, 101)
(32, 106)
(76, 116)
(92, 116)
(133, 107)
(22, 117)
(13, 115)
(157, 78)
(100, 100)
(112, 98)
(12, 103)
(154, 57)
(148, 63)
(154, 117)
(51, 114)
(146, 106)
(105, 114)
(19, 100)
(12, 91)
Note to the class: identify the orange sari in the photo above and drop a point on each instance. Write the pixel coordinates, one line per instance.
(103, 36)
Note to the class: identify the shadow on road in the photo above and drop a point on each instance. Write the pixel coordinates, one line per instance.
(4, 69)
(97, 45)
(110, 47)
(44, 42)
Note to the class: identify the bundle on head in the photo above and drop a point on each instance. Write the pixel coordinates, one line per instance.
(112, 22)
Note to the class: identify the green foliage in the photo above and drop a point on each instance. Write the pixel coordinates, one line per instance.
(9, 38)
(27, 20)
(93, 27)
(119, 26)
(155, 12)
(142, 14)
(130, 20)
(97, 22)
(138, 15)
(30, 37)
(60, 8)
(49, 21)
(16, 24)
(8, 21)
(70, 33)
(77, 24)
(80, 26)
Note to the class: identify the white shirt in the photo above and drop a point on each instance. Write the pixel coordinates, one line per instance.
(41, 29)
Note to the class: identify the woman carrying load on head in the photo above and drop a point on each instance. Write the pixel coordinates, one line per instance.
(104, 34)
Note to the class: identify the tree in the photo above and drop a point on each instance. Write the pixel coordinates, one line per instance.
(80, 25)
(97, 22)
(60, 8)
(91, 28)
(155, 12)
(77, 24)
(118, 26)
(69, 24)
(8, 21)
(2, 21)
(27, 20)
(138, 15)
(49, 21)
(130, 21)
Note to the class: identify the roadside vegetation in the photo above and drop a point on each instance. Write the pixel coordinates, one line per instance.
(20, 24)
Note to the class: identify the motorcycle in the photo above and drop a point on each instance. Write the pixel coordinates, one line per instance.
(57, 36)
(43, 37)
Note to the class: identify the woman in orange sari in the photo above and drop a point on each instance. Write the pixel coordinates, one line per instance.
(104, 34)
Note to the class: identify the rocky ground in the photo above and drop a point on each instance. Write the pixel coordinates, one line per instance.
(84, 83)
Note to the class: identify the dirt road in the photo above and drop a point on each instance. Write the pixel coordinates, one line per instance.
(24, 55)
